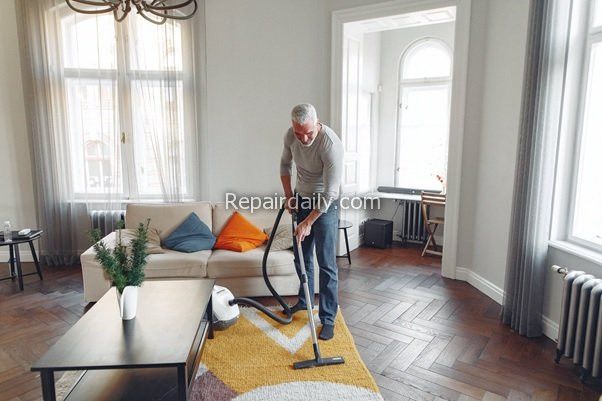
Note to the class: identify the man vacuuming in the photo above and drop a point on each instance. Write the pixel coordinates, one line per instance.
(318, 155)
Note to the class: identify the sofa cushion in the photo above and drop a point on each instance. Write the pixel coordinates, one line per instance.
(168, 264)
(153, 242)
(177, 264)
(283, 239)
(191, 236)
(166, 217)
(240, 235)
(260, 218)
(224, 263)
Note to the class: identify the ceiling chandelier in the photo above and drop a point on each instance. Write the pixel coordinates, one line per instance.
(155, 11)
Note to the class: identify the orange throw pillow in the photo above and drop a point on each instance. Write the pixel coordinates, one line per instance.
(239, 235)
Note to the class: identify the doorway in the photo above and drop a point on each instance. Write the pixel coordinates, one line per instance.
(398, 88)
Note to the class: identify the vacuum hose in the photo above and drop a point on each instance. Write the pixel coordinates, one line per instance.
(264, 269)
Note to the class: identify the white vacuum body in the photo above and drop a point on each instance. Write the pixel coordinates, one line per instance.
(224, 314)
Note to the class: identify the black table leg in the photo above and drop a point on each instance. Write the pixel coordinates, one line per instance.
(210, 317)
(404, 240)
(182, 384)
(13, 273)
(35, 259)
(48, 391)
(19, 270)
(347, 246)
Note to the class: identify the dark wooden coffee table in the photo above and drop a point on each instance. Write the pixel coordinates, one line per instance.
(155, 356)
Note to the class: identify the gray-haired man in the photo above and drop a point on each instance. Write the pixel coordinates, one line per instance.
(318, 155)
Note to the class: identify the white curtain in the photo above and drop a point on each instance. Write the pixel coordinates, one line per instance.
(112, 114)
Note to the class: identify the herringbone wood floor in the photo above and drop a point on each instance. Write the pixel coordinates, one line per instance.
(424, 338)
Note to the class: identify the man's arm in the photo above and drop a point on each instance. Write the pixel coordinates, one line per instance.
(286, 186)
(286, 169)
(332, 160)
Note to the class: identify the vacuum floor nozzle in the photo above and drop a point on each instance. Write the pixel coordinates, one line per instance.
(314, 363)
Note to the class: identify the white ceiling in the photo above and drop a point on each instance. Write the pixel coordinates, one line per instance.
(434, 16)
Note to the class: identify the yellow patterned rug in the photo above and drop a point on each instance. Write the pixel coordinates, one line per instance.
(252, 361)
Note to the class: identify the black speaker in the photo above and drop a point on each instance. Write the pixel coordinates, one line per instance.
(378, 233)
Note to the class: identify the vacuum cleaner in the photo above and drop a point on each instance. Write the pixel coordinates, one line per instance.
(226, 311)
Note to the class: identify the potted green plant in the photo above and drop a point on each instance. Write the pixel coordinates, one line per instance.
(125, 266)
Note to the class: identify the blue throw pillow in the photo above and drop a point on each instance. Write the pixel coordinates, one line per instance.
(191, 236)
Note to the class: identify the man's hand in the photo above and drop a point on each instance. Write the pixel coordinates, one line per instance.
(303, 229)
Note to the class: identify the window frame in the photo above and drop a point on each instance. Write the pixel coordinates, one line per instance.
(582, 36)
(419, 82)
(123, 84)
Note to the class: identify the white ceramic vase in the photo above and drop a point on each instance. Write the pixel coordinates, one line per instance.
(128, 302)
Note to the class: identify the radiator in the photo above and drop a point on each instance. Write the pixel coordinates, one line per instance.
(106, 220)
(580, 328)
(412, 228)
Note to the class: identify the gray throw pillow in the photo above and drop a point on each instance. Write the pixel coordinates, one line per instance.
(283, 239)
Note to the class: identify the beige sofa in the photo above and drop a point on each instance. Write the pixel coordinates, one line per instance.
(239, 272)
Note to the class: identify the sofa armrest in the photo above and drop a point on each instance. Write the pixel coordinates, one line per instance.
(96, 282)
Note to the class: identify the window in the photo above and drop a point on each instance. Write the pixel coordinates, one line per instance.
(130, 106)
(423, 117)
(585, 225)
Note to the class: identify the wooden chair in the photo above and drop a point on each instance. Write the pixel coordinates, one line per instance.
(427, 200)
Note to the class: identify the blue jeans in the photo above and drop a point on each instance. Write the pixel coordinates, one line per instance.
(324, 237)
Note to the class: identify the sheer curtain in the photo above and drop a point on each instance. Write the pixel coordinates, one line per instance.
(112, 116)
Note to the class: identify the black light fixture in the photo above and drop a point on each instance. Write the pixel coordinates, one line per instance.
(155, 11)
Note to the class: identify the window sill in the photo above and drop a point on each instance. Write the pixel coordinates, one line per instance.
(577, 250)
(127, 201)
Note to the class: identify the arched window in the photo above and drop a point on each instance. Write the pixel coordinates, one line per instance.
(427, 58)
(425, 70)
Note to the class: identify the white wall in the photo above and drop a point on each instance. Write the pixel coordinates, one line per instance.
(472, 131)
(16, 183)
(494, 97)
(263, 57)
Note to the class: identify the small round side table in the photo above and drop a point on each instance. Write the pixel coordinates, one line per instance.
(15, 256)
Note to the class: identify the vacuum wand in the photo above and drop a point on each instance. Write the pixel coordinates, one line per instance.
(318, 360)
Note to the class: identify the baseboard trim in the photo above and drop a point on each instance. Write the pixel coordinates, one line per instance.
(25, 255)
(480, 283)
(550, 327)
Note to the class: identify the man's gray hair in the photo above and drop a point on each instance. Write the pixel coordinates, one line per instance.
(303, 113)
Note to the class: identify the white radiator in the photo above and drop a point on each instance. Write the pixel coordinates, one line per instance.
(106, 220)
(580, 329)
(412, 229)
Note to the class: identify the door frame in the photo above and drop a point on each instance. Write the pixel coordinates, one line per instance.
(458, 98)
